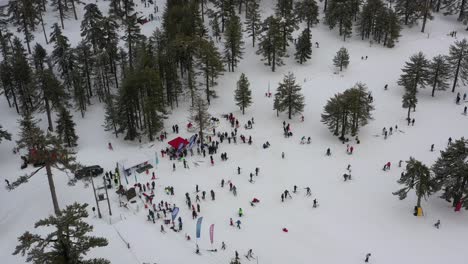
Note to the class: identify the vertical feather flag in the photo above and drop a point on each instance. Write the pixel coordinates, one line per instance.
(211, 233)
(199, 222)
(174, 213)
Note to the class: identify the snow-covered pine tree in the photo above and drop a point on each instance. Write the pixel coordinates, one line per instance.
(271, 43)
(415, 73)
(418, 177)
(458, 61)
(243, 94)
(66, 128)
(289, 97)
(253, 20)
(409, 11)
(233, 45)
(4, 135)
(409, 101)
(69, 239)
(24, 15)
(200, 117)
(287, 21)
(22, 77)
(210, 64)
(307, 11)
(439, 73)
(340, 13)
(30, 134)
(91, 26)
(459, 7)
(303, 47)
(450, 172)
(341, 59)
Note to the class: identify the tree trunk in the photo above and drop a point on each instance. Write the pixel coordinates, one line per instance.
(325, 6)
(455, 79)
(60, 8)
(43, 28)
(409, 112)
(49, 118)
(74, 10)
(52, 186)
(426, 13)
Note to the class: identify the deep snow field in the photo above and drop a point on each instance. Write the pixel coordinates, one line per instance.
(354, 217)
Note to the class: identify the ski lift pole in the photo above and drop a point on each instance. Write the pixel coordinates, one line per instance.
(95, 197)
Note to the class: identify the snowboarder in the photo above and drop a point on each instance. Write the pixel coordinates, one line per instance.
(437, 224)
(367, 257)
(309, 193)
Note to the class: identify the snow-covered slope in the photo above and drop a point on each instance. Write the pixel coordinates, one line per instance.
(353, 218)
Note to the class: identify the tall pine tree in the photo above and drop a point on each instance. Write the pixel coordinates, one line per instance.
(243, 94)
(288, 96)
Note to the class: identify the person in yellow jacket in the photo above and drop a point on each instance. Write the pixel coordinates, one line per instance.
(241, 213)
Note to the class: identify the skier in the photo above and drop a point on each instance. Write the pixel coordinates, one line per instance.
(238, 223)
(173, 166)
(223, 246)
(256, 171)
(238, 170)
(222, 183)
(295, 189)
(328, 152)
(241, 213)
(367, 257)
(412, 122)
(212, 161)
(282, 197)
(464, 110)
(308, 140)
(386, 87)
(282, 155)
(432, 147)
(315, 203)
(196, 188)
(212, 195)
(194, 214)
(309, 193)
(198, 208)
(8, 183)
(203, 195)
(437, 224)
(251, 180)
(249, 254)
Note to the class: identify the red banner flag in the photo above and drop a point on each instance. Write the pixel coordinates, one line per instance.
(211, 233)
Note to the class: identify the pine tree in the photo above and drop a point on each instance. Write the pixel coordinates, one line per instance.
(340, 13)
(61, 54)
(458, 61)
(115, 9)
(210, 64)
(22, 77)
(131, 36)
(110, 119)
(200, 117)
(415, 73)
(24, 15)
(287, 21)
(347, 112)
(426, 12)
(233, 45)
(341, 59)
(91, 26)
(4, 135)
(409, 10)
(450, 172)
(60, 6)
(307, 11)
(66, 128)
(303, 47)
(439, 73)
(271, 43)
(51, 92)
(459, 7)
(289, 97)
(68, 242)
(253, 20)
(243, 94)
(417, 177)
(30, 135)
(73, 4)
(410, 101)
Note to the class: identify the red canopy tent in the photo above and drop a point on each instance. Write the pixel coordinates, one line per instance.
(175, 143)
